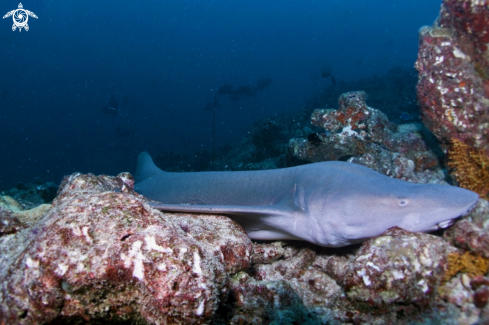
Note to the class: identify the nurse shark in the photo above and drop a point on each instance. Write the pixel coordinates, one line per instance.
(330, 204)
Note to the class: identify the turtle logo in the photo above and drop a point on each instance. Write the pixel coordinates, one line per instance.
(20, 17)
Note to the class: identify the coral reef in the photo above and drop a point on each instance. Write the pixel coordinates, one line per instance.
(391, 92)
(472, 233)
(453, 66)
(101, 252)
(390, 279)
(9, 224)
(471, 167)
(363, 135)
(458, 292)
(397, 267)
(262, 302)
(468, 263)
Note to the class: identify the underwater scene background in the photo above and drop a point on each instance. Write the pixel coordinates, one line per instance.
(91, 84)
(389, 98)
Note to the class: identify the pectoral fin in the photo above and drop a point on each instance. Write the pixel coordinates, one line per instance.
(259, 222)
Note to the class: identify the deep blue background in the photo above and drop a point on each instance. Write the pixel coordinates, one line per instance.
(167, 58)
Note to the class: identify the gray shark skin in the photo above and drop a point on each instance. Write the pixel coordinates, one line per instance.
(330, 204)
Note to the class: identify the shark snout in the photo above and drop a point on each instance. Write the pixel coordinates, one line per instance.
(454, 202)
(460, 201)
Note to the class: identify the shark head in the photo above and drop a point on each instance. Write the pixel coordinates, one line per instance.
(364, 204)
(429, 207)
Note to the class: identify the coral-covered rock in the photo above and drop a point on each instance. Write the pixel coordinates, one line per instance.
(363, 135)
(351, 117)
(266, 253)
(9, 224)
(466, 235)
(313, 285)
(458, 292)
(351, 125)
(480, 214)
(481, 297)
(479, 281)
(453, 66)
(387, 280)
(101, 252)
(472, 232)
(286, 286)
(396, 267)
(259, 302)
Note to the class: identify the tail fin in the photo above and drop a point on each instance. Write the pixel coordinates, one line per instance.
(146, 167)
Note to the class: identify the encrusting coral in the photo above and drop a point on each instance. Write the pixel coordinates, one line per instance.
(468, 263)
(471, 167)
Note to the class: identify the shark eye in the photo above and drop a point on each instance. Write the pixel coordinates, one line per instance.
(403, 202)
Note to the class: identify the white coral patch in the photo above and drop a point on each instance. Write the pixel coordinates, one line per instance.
(135, 257)
(424, 285)
(443, 91)
(182, 252)
(372, 265)
(162, 267)
(348, 131)
(80, 267)
(438, 60)
(200, 309)
(384, 240)
(196, 269)
(77, 232)
(459, 54)
(138, 267)
(31, 263)
(202, 286)
(397, 274)
(424, 259)
(365, 277)
(151, 245)
(61, 269)
(85, 233)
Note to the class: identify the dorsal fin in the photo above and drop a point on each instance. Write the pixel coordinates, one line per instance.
(146, 167)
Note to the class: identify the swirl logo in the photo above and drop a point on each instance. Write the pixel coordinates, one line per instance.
(20, 17)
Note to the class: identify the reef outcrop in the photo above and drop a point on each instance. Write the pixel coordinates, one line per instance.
(364, 135)
(453, 66)
(453, 85)
(100, 253)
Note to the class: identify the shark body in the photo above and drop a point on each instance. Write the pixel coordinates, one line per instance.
(330, 204)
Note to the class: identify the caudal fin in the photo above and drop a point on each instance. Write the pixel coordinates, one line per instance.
(146, 167)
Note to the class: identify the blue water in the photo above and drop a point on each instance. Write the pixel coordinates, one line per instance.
(163, 61)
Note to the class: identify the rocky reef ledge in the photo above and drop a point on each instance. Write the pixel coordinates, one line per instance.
(99, 254)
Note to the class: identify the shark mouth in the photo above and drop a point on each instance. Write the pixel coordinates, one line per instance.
(445, 224)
